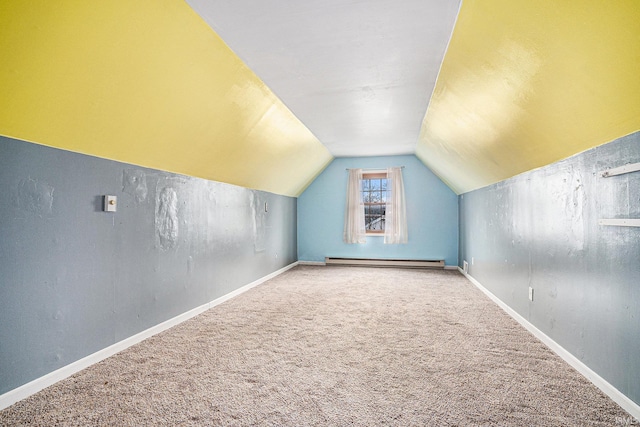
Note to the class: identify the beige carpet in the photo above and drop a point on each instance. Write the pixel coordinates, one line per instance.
(333, 346)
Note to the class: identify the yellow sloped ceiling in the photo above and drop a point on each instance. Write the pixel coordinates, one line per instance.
(147, 82)
(527, 83)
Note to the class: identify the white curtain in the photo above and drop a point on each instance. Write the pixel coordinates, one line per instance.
(395, 227)
(354, 231)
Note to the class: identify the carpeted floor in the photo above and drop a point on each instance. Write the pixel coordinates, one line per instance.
(333, 347)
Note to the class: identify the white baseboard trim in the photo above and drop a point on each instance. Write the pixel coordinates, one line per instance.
(451, 267)
(9, 398)
(616, 395)
(317, 263)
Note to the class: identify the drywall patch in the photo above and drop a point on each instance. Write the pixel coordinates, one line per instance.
(190, 266)
(134, 182)
(167, 217)
(259, 221)
(573, 199)
(35, 196)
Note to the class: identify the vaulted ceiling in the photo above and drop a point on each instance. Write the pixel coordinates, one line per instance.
(264, 93)
(358, 74)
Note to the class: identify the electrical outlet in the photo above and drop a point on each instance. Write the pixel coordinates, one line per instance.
(473, 261)
(465, 267)
(530, 293)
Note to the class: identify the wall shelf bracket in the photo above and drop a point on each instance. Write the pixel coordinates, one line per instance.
(621, 222)
(631, 167)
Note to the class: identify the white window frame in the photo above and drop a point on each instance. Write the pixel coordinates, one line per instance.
(367, 175)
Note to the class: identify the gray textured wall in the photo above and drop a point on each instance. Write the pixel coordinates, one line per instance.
(540, 229)
(75, 279)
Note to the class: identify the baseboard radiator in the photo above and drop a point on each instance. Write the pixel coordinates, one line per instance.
(372, 262)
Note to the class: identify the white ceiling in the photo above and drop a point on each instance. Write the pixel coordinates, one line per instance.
(359, 74)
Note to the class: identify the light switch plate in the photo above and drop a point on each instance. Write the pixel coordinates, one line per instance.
(110, 203)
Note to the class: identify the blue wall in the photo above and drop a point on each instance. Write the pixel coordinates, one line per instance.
(541, 229)
(76, 280)
(432, 214)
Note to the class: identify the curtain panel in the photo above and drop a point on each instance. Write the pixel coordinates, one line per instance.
(395, 229)
(354, 231)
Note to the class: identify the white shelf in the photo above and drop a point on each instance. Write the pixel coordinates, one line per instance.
(631, 222)
(631, 167)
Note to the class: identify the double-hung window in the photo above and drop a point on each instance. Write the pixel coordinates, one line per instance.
(375, 206)
(374, 197)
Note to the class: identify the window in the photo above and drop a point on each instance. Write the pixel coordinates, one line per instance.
(375, 205)
(374, 197)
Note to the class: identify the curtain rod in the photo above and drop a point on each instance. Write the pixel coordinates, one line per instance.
(375, 169)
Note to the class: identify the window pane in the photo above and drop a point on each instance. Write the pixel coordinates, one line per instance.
(374, 196)
(374, 222)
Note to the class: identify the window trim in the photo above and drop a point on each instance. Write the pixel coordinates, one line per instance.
(373, 174)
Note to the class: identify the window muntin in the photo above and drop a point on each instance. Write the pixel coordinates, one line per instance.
(374, 197)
